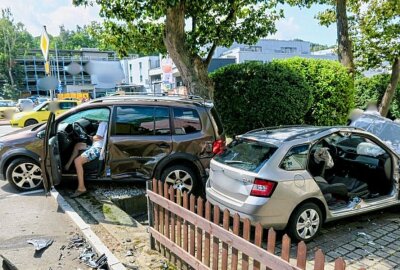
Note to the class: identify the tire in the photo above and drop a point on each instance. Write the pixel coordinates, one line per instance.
(30, 122)
(181, 177)
(305, 222)
(24, 174)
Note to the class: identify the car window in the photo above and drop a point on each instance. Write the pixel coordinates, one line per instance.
(247, 155)
(161, 118)
(217, 121)
(296, 158)
(98, 114)
(66, 105)
(141, 120)
(186, 121)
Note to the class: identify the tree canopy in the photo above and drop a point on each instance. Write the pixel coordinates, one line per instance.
(189, 30)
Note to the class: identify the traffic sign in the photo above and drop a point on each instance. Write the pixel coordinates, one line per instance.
(44, 43)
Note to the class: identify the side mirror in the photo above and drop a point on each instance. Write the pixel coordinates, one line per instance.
(41, 134)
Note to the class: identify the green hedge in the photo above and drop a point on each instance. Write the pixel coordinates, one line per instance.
(253, 95)
(373, 89)
(331, 88)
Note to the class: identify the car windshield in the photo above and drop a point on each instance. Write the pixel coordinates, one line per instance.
(384, 128)
(39, 107)
(246, 154)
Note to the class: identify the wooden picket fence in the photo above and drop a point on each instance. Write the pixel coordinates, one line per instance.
(189, 232)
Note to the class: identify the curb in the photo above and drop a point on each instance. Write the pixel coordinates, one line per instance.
(5, 123)
(113, 262)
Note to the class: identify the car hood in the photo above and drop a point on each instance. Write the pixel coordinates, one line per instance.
(383, 128)
(21, 134)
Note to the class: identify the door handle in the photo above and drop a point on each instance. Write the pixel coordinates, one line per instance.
(163, 145)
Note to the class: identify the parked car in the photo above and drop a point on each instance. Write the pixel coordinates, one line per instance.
(296, 178)
(170, 138)
(41, 113)
(25, 104)
(7, 109)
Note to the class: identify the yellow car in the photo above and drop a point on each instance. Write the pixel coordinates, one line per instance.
(7, 109)
(41, 113)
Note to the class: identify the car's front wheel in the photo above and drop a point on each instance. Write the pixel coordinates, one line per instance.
(305, 222)
(181, 177)
(30, 122)
(24, 174)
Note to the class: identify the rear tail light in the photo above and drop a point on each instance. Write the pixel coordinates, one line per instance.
(263, 188)
(218, 146)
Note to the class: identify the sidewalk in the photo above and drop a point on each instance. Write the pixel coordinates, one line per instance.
(4, 122)
(33, 215)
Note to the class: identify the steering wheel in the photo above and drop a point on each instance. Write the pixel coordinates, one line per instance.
(80, 131)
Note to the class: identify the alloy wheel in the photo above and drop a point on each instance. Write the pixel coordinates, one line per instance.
(27, 175)
(307, 224)
(180, 179)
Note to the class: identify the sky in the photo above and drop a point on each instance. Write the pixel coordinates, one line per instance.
(298, 23)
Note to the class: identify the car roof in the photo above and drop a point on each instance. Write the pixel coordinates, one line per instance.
(281, 134)
(184, 99)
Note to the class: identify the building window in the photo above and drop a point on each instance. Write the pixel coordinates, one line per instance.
(141, 78)
(130, 79)
(130, 67)
(252, 49)
(288, 49)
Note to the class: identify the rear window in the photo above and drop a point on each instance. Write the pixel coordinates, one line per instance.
(246, 155)
(217, 121)
(186, 121)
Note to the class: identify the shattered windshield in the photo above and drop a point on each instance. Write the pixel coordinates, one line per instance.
(384, 128)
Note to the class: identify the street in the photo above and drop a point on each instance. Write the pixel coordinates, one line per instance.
(6, 129)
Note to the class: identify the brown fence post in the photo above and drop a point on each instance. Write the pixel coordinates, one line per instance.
(179, 263)
(166, 221)
(235, 252)
(340, 264)
(257, 242)
(301, 255)
(319, 260)
(225, 222)
(216, 240)
(207, 237)
(192, 232)
(285, 248)
(199, 231)
(173, 219)
(161, 216)
(246, 236)
(150, 213)
(185, 223)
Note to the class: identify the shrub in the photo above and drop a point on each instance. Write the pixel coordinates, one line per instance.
(331, 88)
(373, 89)
(253, 95)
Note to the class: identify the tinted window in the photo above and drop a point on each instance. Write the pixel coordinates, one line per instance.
(161, 118)
(186, 121)
(136, 120)
(217, 120)
(67, 105)
(295, 159)
(246, 155)
(101, 114)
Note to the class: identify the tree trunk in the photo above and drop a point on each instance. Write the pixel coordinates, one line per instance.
(11, 76)
(345, 48)
(193, 70)
(391, 88)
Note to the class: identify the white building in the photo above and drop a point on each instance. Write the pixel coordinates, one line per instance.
(137, 70)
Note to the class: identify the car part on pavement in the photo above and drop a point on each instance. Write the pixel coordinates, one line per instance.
(7, 265)
(41, 243)
(24, 174)
(87, 255)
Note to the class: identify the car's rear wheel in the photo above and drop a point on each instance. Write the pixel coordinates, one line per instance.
(24, 174)
(305, 222)
(30, 122)
(181, 177)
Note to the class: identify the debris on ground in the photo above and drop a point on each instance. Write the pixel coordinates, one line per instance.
(7, 265)
(41, 243)
(87, 255)
(364, 235)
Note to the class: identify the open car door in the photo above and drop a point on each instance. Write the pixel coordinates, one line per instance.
(51, 161)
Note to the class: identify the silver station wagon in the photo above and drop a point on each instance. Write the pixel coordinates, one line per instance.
(296, 178)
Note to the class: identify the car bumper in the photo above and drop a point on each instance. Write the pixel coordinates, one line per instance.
(256, 209)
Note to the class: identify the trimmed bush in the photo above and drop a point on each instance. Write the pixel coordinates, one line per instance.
(331, 88)
(373, 89)
(254, 95)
